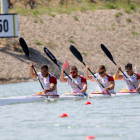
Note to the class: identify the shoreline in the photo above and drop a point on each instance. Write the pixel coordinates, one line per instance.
(85, 30)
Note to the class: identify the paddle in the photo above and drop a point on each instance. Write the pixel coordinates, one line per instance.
(78, 55)
(26, 51)
(51, 56)
(107, 52)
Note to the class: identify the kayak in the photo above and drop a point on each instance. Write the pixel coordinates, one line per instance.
(101, 94)
(76, 96)
(125, 92)
(22, 99)
(38, 98)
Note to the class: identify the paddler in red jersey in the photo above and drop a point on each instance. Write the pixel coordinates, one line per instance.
(106, 80)
(133, 77)
(48, 80)
(78, 79)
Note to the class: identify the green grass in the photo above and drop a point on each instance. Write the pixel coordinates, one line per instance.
(37, 42)
(83, 29)
(41, 21)
(128, 20)
(71, 40)
(52, 15)
(132, 7)
(7, 75)
(22, 34)
(133, 26)
(76, 18)
(134, 33)
(51, 45)
(82, 6)
(128, 11)
(18, 49)
(113, 26)
(111, 5)
(35, 21)
(118, 14)
(84, 53)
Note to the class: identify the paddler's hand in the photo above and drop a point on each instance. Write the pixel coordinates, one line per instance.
(87, 67)
(106, 89)
(31, 64)
(137, 89)
(45, 91)
(62, 70)
(82, 91)
(118, 68)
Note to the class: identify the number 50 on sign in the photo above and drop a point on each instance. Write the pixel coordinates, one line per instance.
(8, 25)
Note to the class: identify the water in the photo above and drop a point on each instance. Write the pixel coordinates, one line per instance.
(115, 118)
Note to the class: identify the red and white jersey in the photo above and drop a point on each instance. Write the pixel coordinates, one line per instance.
(134, 79)
(46, 81)
(105, 81)
(78, 81)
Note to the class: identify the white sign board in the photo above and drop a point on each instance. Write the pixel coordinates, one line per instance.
(8, 25)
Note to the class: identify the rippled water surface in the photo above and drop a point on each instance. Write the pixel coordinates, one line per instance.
(115, 118)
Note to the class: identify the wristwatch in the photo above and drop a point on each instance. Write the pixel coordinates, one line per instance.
(48, 90)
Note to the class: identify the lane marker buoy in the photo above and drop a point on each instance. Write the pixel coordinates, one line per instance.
(87, 103)
(89, 137)
(63, 115)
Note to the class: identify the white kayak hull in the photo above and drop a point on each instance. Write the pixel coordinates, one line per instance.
(36, 98)
(71, 96)
(101, 95)
(21, 99)
(127, 93)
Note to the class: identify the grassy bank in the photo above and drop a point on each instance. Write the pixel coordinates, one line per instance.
(63, 6)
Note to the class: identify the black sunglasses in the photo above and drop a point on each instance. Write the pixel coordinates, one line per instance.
(101, 72)
(44, 71)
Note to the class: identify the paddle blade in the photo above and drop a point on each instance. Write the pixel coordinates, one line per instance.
(24, 46)
(76, 53)
(107, 52)
(50, 55)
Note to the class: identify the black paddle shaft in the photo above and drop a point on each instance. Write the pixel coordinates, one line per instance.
(78, 55)
(38, 77)
(26, 51)
(51, 56)
(109, 55)
(96, 77)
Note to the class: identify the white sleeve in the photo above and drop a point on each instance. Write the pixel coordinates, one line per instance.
(125, 77)
(68, 79)
(93, 78)
(39, 74)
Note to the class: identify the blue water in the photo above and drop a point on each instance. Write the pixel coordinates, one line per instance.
(115, 118)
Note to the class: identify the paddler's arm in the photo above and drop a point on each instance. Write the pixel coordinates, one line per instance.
(117, 74)
(138, 88)
(111, 87)
(88, 77)
(51, 89)
(84, 87)
(62, 78)
(31, 73)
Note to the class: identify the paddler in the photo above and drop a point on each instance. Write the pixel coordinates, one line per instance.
(78, 79)
(48, 80)
(133, 77)
(106, 80)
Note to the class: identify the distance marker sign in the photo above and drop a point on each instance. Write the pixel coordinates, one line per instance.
(8, 25)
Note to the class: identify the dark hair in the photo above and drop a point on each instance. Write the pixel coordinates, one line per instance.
(73, 67)
(44, 66)
(129, 65)
(101, 67)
